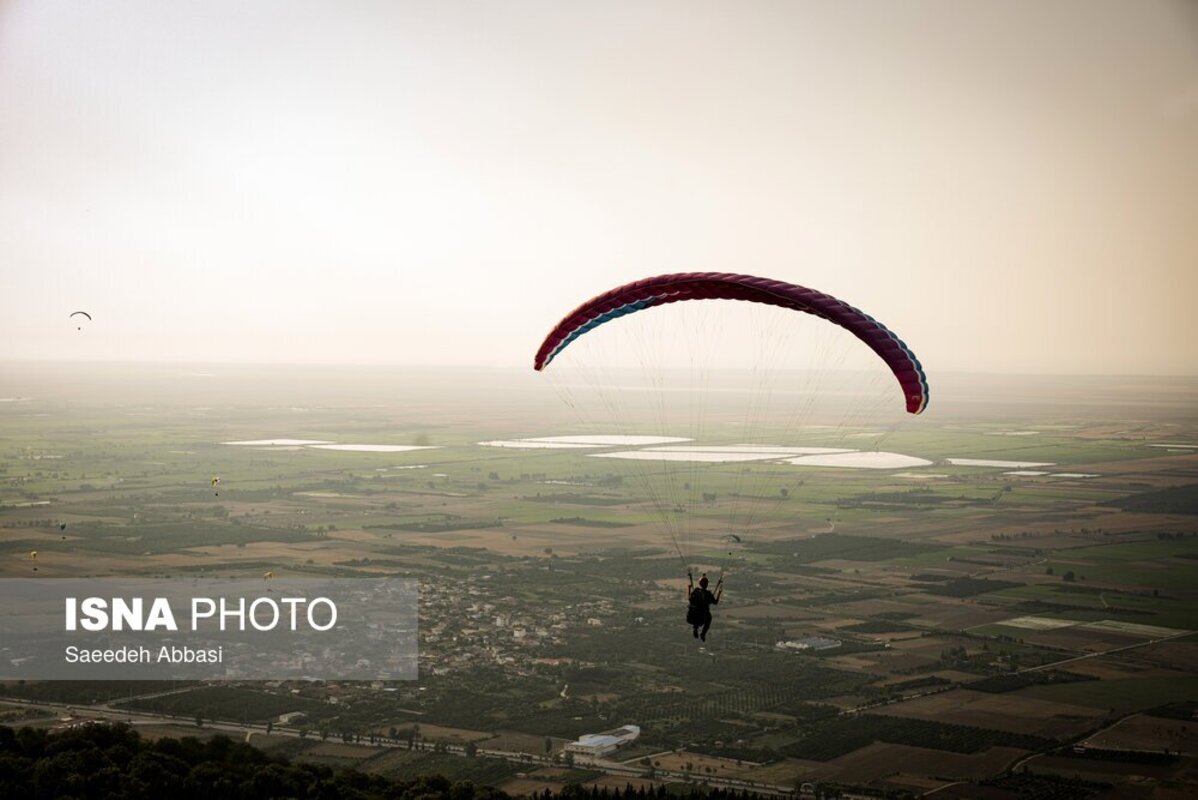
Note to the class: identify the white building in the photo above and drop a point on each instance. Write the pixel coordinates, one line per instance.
(816, 643)
(600, 744)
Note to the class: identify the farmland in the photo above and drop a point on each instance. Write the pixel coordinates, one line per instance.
(980, 617)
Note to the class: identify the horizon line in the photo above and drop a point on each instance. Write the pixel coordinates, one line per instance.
(528, 368)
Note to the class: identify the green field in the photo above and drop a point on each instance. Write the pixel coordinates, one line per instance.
(1127, 694)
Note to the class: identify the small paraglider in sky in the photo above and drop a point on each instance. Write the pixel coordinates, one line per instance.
(33, 558)
(267, 577)
(80, 313)
(215, 484)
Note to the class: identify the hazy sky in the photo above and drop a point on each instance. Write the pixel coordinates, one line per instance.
(1011, 186)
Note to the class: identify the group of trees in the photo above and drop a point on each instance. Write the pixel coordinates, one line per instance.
(112, 761)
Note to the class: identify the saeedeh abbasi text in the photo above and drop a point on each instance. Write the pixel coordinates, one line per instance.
(167, 654)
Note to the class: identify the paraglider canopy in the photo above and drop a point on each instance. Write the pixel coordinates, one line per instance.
(736, 395)
(663, 289)
(80, 313)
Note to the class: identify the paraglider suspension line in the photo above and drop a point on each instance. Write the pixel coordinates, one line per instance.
(677, 547)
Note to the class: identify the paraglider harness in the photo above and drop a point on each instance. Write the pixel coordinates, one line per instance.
(698, 609)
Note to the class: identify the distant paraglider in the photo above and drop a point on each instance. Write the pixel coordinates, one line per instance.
(33, 558)
(215, 486)
(80, 313)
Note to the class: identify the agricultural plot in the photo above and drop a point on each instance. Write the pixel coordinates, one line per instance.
(834, 738)
(883, 760)
(228, 703)
(405, 765)
(1115, 768)
(1021, 713)
(337, 754)
(1144, 732)
(1123, 695)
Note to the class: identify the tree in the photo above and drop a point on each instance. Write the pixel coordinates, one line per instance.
(1069, 577)
(548, 745)
(471, 749)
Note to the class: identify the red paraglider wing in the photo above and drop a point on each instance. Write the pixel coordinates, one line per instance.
(674, 288)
